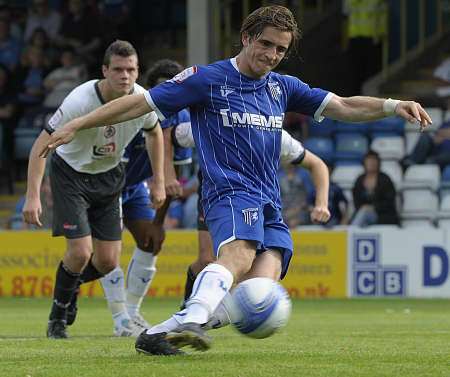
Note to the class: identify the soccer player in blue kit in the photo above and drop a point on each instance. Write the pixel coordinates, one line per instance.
(237, 107)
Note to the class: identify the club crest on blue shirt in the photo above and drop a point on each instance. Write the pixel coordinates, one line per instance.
(225, 90)
(250, 215)
(275, 90)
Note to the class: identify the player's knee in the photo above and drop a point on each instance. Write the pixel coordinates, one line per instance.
(238, 259)
(107, 263)
(79, 255)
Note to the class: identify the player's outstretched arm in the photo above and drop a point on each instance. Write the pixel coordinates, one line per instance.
(155, 148)
(362, 108)
(32, 208)
(116, 111)
(321, 179)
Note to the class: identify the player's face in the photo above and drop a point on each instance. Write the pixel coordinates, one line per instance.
(266, 52)
(121, 74)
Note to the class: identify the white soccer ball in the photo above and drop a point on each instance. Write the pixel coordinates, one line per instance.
(259, 307)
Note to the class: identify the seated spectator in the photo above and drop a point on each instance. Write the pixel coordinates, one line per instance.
(295, 189)
(7, 14)
(60, 82)
(41, 16)
(8, 110)
(174, 215)
(16, 221)
(190, 207)
(10, 47)
(31, 81)
(337, 205)
(442, 74)
(431, 148)
(374, 195)
(79, 32)
(40, 39)
(116, 15)
(297, 125)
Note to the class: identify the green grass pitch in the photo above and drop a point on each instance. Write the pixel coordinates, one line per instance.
(323, 338)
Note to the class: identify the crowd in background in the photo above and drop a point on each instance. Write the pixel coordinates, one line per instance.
(51, 47)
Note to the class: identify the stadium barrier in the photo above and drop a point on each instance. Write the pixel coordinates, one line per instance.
(327, 264)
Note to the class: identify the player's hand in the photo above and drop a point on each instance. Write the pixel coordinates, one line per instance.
(31, 211)
(320, 215)
(158, 194)
(173, 188)
(413, 112)
(61, 136)
(154, 238)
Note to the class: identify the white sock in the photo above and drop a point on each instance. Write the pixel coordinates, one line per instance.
(114, 288)
(169, 325)
(141, 270)
(210, 287)
(220, 317)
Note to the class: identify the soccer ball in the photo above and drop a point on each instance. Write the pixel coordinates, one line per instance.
(258, 307)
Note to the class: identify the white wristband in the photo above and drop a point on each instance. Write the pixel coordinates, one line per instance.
(389, 106)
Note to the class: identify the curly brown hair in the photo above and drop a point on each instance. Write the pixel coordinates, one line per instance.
(162, 69)
(275, 16)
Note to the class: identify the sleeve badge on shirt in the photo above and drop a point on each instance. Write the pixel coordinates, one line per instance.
(188, 72)
(54, 121)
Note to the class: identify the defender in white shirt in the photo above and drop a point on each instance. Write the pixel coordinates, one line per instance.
(87, 179)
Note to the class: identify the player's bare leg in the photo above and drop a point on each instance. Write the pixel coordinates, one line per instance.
(102, 260)
(78, 267)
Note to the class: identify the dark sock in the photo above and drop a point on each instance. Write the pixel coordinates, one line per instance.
(65, 286)
(90, 273)
(190, 279)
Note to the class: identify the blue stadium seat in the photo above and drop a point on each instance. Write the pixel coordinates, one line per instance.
(444, 188)
(351, 147)
(392, 126)
(445, 177)
(322, 147)
(344, 127)
(346, 163)
(28, 129)
(325, 128)
(23, 141)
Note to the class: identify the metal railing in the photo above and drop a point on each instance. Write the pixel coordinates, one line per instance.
(411, 39)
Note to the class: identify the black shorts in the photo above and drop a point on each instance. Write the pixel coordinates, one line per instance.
(86, 204)
(201, 223)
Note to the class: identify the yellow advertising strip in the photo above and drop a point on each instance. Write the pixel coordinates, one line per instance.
(319, 266)
(28, 262)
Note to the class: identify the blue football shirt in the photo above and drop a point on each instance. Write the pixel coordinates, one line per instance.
(138, 167)
(236, 123)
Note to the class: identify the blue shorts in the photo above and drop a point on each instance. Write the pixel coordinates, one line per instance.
(238, 218)
(136, 202)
